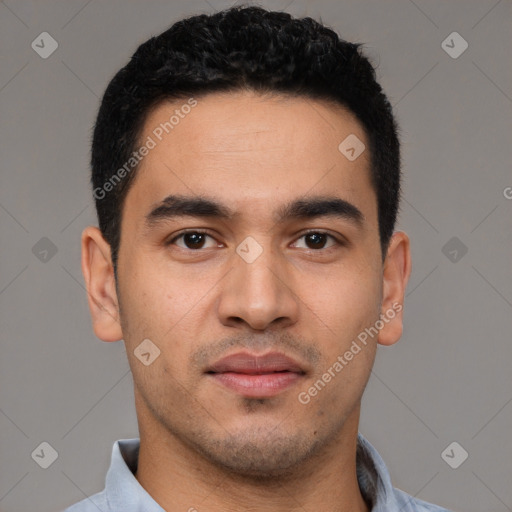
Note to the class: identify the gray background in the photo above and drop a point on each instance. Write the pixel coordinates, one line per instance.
(447, 380)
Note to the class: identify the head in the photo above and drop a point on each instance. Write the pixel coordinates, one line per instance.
(232, 127)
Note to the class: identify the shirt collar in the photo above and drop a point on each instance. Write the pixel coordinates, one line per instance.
(124, 492)
(373, 478)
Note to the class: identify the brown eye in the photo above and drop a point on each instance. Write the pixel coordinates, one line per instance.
(192, 240)
(317, 240)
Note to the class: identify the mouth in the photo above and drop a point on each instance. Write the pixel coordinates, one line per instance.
(255, 376)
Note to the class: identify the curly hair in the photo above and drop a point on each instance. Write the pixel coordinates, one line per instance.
(242, 48)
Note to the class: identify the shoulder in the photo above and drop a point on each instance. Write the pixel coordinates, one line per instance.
(409, 503)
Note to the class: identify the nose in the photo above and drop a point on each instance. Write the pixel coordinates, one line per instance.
(258, 293)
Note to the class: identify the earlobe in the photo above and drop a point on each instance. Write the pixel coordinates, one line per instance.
(100, 284)
(397, 269)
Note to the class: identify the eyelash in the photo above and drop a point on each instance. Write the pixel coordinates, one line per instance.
(312, 231)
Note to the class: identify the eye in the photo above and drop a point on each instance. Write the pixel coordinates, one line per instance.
(317, 240)
(193, 240)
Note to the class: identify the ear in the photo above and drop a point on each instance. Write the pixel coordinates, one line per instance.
(396, 272)
(100, 284)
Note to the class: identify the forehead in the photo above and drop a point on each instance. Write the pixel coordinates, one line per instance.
(250, 151)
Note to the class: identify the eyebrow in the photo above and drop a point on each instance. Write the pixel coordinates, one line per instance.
(203, 207)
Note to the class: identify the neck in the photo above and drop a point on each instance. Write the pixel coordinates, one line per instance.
(178, 478)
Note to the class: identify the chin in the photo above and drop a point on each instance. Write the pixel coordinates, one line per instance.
(261, 456)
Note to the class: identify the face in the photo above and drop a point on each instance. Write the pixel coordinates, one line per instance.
(267, 251)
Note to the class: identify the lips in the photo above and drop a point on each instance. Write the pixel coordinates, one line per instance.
(254, 365)
(256, 376)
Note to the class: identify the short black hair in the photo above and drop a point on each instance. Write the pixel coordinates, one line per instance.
(241, 48)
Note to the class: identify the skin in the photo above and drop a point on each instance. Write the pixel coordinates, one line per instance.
(203, 445)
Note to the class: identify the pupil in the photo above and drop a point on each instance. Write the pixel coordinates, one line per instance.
(194, 239)
(317, 239)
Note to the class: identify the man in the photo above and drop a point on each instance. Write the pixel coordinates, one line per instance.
(246, 172)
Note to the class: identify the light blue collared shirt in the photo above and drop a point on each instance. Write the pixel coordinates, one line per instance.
(123, 493)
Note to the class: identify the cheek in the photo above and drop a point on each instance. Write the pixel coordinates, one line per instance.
(353, 306)
(159, 306)
(346, 304)
(155, 294)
